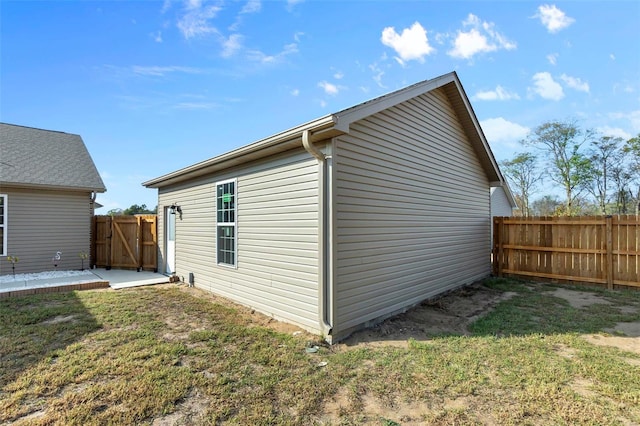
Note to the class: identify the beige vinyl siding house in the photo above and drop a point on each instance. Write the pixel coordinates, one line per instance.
(48, 182)
(405, 216)
(277, 236)
(344, 220)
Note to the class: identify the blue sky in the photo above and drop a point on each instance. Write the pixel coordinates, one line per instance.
(155, 86)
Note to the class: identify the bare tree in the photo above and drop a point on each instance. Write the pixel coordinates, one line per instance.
(568, 167)
(604, 154)
(621, 179)
(632, 151)
(547, 205)
(523, 175)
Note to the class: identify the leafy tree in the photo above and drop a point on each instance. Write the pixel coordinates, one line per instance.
(523, 175)
(605, 153)
(136, 209)
(568, 167)
(115, 212)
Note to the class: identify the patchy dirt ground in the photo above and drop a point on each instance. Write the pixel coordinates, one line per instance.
(630, 330)
(449, 314)
(452, 314)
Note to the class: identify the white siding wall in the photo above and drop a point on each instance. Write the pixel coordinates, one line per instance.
(412, 208)
(277, 237)
(42, 222)
(500, 205)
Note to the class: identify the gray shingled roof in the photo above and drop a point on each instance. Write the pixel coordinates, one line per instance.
(36, 157)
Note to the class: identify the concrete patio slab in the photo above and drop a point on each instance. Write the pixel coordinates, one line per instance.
(56, 281)
(120, 278)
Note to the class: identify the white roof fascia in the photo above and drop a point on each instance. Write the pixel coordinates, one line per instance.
(290, 135)
(358, 112)
(478, 129)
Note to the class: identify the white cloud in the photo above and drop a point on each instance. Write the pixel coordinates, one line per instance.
(292, 3)
(166, 5)
(615, 132)
(329, 89)
(158, 71)
(411, 44)
(323, 103)
(612, 56)
(378, 73)
(258, 56)
(252, 6)
(553, 18)
(546, 87)
(632, 117)
(195, 105)
(575, 83)
(195, 22)
(295, 92)
(157, 36)
(480, 38)
(552, 58)
(500, 94)
(499, 130)
(338, 75)
(231, 45)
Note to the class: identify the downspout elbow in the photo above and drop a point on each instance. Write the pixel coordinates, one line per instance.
(311, 149)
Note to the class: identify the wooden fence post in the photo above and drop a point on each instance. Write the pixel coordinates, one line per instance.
(609, 237)
(497, 244)
(139, 243)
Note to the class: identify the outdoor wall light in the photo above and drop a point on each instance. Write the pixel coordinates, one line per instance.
(176, 208)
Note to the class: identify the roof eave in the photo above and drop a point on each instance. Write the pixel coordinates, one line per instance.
(280, 142)
(471, 124)
(23, 185)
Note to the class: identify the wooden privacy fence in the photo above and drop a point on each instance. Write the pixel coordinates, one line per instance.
(125, 242)
(594, 249)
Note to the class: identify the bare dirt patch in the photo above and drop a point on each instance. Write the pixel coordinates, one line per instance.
(59, 319)
(190, 411)
(629, 344)
(446, 315)
(629, 329)
(579, 299)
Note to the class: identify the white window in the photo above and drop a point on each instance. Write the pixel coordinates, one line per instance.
(3, 225)
(226, 223)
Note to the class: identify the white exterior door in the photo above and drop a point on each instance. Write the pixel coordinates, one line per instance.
(170, 240)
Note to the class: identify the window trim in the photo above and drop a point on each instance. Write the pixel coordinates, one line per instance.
(4, 224)
(233, 224)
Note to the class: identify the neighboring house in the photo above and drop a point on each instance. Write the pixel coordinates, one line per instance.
(343, 221)
(48, 184)
(502, 202)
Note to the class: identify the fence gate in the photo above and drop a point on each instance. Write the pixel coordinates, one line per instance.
(125, 242)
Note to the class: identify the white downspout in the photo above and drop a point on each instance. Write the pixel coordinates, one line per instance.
(322, 232)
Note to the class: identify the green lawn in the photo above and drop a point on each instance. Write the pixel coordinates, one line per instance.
(159, 353)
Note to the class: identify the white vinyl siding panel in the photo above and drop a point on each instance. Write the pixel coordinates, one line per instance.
(43, 222)
(277, 237)
(412, 208)
(500, 205)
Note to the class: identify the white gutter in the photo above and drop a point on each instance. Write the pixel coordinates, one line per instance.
(325, 289)
(239, 155)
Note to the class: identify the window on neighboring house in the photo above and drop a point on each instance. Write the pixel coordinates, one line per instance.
(3, 225)
(226, 252)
